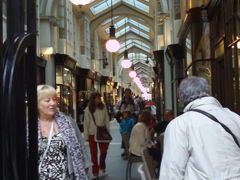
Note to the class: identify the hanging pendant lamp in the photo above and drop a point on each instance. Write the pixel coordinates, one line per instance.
(132, 73)
(126, 63)
(80, 2)
(112, 44)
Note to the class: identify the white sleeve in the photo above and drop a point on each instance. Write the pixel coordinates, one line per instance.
(175, 156)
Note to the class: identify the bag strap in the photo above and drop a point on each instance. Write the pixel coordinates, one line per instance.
(48, 144)
(215, 119)
(131, 101)
(94, 119)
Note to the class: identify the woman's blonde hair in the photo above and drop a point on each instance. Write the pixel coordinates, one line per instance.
(145, 117)
(44, 91)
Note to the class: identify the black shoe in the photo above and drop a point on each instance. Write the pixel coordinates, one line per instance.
(123, 154)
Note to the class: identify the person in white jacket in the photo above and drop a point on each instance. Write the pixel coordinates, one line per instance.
(97, 109)
(195, 146)
(140, 139)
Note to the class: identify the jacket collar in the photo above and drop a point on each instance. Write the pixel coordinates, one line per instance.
(202, 103)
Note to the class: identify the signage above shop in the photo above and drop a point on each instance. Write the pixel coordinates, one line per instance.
(65, 60)
(98, 76)
(87, 73)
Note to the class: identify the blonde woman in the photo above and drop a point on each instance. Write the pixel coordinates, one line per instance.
(61, 150)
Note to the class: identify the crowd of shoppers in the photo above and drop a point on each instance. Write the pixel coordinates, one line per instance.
(206, 137)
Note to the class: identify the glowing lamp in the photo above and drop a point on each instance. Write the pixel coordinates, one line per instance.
(80, 2)
(126, 63)
(132, 74)
(112, 44)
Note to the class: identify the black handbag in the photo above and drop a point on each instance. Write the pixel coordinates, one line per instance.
(102, 134)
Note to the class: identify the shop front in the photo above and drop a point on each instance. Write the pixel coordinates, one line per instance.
(97, 82)
(86, 79)
(66, 84)
(106, 90)
(116, 92)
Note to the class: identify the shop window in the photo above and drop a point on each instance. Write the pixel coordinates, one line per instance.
(188, 44)
(203, 69)
(59, 74)
(74, 96)
(67, 77)
(64, 100)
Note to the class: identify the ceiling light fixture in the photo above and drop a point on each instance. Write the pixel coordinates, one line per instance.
(147, 61)
(80, 3)
(126, 63)
(132, 73)
(112, 44)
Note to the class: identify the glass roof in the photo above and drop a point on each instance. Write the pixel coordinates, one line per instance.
(137, 4)
(102, 5)
(109, 20)
(142, 5)
(130, 43)
(136, 27)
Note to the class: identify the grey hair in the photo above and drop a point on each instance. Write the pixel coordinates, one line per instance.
(192, 88)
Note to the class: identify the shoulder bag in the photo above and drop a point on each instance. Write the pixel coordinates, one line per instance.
(102, 134)
(215, 119)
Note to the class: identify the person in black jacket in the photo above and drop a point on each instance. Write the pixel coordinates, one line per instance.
(161, 126)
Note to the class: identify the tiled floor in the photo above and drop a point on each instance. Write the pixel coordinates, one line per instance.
(116, 166)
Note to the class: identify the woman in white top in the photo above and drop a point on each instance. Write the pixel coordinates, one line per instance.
(140, 139)
(96, 109)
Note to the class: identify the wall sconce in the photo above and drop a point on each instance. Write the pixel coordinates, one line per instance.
(105, 60)
(112, 44)
(47, 51)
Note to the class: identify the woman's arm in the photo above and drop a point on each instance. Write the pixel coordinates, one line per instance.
(87, 162)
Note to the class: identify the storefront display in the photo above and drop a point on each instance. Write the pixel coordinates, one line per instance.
(66, 85)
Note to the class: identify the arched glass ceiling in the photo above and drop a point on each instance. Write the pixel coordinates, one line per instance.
(109, 20)
(103, 5)
(136, 27)
(133, 22)
(130, 43)
(134, 30)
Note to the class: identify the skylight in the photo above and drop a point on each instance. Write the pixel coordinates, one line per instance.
(103, 5)
(139, 5)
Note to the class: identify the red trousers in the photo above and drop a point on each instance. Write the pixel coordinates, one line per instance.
(94, 154)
